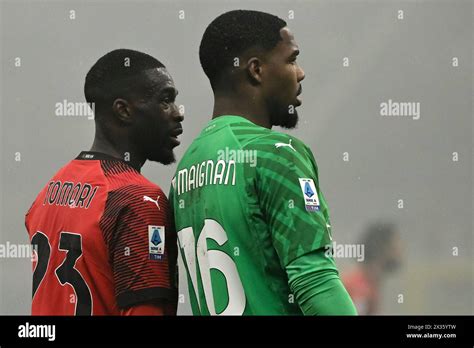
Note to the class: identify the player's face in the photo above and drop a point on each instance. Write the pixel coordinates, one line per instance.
(157, 120)
(283, 84)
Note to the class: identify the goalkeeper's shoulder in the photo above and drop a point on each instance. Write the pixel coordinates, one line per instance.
(278, 146)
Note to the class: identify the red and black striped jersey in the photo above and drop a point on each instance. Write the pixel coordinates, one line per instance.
(103, 238)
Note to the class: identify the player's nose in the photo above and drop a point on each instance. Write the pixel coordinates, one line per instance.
(178, 115)
(300, 74)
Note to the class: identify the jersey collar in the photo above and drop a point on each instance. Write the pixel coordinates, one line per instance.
(93, 155)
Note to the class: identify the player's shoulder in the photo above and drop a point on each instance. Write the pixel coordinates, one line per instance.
(275, 136)
(127, 184)
(279, 144)
(57, 176)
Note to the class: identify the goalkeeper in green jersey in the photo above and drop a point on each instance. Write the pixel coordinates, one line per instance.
(253, 225)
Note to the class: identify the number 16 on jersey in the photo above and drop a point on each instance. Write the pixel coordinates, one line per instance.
(207, 260)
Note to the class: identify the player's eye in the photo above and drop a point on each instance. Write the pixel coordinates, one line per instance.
(167, 100)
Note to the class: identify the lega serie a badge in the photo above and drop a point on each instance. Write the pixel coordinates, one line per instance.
(310, 195)
(156, 242)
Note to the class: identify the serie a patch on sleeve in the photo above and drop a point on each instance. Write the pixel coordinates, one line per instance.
(310, 194)
(156, 242)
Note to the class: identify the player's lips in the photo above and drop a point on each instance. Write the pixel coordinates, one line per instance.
(298, 98)
(174, 135)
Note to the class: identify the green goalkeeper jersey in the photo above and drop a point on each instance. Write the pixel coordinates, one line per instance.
(247, 202)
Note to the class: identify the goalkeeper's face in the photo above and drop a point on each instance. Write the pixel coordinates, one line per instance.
(282, 85)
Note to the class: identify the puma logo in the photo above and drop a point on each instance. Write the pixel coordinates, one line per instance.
(148, 199)
(278, 145)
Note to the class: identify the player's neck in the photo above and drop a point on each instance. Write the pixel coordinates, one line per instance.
(245, 107)
(120, 149)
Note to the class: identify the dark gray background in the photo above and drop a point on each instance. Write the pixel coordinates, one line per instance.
(390, 158)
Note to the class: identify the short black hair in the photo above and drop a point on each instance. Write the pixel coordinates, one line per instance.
(231, 34)
(111, 76)
(377, 237)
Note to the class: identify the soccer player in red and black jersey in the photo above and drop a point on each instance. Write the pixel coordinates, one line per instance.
(103, 233)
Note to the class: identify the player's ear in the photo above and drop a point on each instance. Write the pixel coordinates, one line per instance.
(254, 70)
(121, 109)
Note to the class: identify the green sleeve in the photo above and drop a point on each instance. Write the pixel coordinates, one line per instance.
(315, 282)
(295, 229)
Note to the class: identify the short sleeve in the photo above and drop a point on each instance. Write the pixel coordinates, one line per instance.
(290, 197)
(141, 242)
